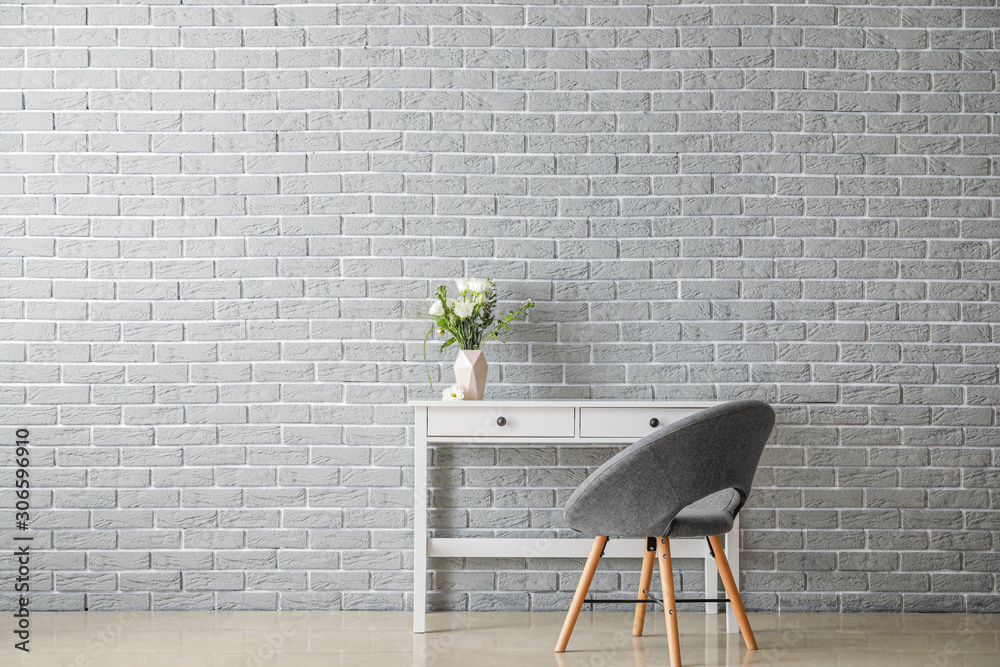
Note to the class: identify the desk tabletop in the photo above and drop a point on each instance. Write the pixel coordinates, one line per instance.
(583, 402)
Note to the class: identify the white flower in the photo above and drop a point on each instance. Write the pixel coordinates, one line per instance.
(463, 284)
(437, 310)
(464, 308)
(453, 393)
(477, 285)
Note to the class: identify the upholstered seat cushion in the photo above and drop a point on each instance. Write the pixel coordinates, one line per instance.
(709, 516)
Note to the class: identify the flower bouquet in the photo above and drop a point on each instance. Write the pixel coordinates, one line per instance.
(469, 321)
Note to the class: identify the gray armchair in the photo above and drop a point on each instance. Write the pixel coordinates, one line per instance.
(688, 479)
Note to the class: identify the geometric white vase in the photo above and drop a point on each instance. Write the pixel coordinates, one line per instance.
(470, 373)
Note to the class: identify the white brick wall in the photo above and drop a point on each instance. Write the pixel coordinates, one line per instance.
(217, 224)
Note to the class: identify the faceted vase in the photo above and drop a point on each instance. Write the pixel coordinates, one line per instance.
(470, 373)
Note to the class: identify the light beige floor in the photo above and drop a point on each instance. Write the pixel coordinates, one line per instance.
(383, 639)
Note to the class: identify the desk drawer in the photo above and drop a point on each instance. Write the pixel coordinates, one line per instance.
(627, 422)
(473, 421)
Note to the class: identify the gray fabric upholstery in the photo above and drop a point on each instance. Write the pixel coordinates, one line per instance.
(688, 479)
(709, 516)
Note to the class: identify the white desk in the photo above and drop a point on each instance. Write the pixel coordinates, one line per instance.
(562, 422)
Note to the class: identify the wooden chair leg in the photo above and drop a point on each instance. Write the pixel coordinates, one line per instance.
(645, 579)
(669, 600)
(581, 591)
(733, 592)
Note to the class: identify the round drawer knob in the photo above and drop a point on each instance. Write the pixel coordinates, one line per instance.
(501, 421)
(654, 422)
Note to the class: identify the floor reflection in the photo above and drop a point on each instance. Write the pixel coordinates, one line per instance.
(720, 648)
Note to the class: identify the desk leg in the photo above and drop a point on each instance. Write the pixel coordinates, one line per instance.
(711, 583)
(420, 521)
(733, 556)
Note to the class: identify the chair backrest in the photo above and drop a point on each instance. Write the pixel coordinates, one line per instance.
(643, 487)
